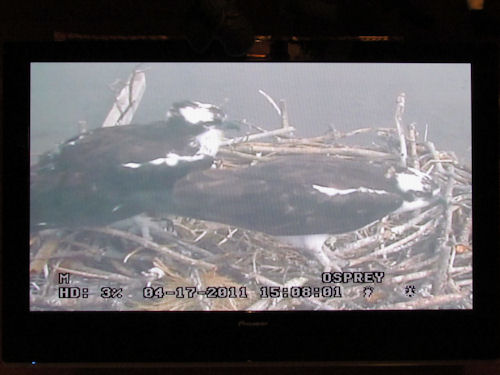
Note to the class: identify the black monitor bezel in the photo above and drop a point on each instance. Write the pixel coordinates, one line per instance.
(247, 336)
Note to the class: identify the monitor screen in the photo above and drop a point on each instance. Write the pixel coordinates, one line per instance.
(250, 186)
(167, 205)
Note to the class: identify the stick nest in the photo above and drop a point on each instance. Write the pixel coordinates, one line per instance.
(426, 255)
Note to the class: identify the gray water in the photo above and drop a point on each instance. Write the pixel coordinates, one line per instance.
(318, 95)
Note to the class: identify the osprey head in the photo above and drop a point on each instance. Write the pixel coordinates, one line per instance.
(196, 113)
(417, 188)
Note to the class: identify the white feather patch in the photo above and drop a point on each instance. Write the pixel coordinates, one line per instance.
(195, 115)
(173, 159)
(209, 142)
(310, 241)
(408, 181)
(132, 165)
(332, 191)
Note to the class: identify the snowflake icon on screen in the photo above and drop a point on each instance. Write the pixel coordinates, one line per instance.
(410, 290)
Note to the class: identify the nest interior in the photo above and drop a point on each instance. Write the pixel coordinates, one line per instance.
(426, 255)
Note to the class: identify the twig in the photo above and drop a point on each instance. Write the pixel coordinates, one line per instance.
(43, 255)
(127, 101)
(338, 151)
(285, 124)
(430, 146)
(466, 231)
(97, 274)
(398, 117)
(229, 235)
(203, 234)
(271, 100)
(352, 248)
(462, 283)
(228, 153)
(461, 270)
(430, 213)
(396, 246)
(253, 137)
(445, 246)
(412, 138)
(410, 263)
(153, 246)
(132, 253)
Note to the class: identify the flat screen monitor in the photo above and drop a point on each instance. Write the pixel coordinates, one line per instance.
(337, 202)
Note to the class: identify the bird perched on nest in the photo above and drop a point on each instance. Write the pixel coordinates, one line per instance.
(111, 174)
(301, 199)
(100, 176)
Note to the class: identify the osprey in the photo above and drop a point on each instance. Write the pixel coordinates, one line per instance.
(115, 173)
(301, 199)
(97, 177)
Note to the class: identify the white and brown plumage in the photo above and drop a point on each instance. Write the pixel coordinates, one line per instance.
(94, 178)
(111, 174)
(301, 199)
